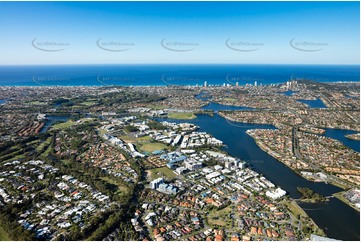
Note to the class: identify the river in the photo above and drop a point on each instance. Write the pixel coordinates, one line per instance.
(339, 134)
(337, 219)
(216, 106)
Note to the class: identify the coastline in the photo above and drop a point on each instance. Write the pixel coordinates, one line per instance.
(353, 136)
(125, 86)
(278, 158)
(296, 209)
(264, 148)
(339, 196)
(292, 202)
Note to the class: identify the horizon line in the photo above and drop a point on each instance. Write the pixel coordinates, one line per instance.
(78, 64)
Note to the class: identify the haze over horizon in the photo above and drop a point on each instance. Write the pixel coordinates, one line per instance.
(179, 33)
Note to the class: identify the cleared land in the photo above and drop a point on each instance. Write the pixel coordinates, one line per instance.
(38, 103)
(122, 190)
(150, 147)
(162, 172)
(144, 138)
(63, 125)
(229, 99)
(182, 115)
(127, 139)
(220, 217)
(88, 103)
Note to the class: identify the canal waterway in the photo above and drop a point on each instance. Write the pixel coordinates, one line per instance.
(337, 219)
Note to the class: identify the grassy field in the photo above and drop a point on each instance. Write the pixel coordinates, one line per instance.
(63, 125)
(140, 140)
(78, 106)
(45, 143)
(337, 184)
(102, 131)
(161, 172)
(47, 151)
(294, 208)
(121, 189)
(127, 139)
(38, 103)
(229, 99)
(14, 152)
(217, 222)
(150, 147)
(88, 103)
(18, 157)
(182, 115)
(32, 142)
(144, 138)
(220, 218)
(4, 236)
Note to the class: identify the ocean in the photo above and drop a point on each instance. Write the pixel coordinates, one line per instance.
(172, 74)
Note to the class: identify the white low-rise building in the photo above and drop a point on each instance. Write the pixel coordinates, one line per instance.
(278, 193)
(192, 165)
(213, 175)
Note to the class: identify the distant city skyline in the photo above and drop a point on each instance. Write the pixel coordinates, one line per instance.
(36, 33)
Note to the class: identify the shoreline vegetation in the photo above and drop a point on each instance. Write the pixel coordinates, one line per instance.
(332, 182)
(292, 203)
(97, 153)
(182, 116)
(310, 196)
(353, 136)
(222, 114)
(298, 212)
(339, 196)
(273, 154)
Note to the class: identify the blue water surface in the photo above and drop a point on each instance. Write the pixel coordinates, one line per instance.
(126, 75)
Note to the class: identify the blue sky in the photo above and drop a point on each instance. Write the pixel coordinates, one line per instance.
(192, 32)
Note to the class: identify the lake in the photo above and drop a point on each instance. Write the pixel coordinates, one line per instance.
(313, 103)
(51, 120)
